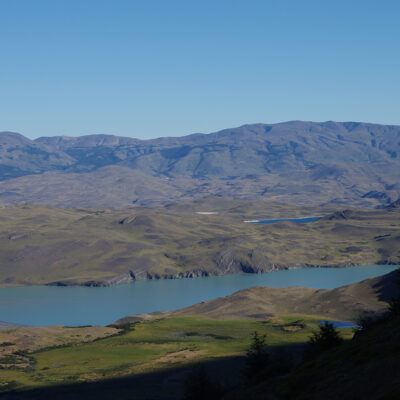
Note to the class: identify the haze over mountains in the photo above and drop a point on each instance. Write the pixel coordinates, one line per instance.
(294, 162)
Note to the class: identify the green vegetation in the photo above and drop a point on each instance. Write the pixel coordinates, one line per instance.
(40, 245)
(159, 354)
(365, 367)
(154, 345)
(327, 337)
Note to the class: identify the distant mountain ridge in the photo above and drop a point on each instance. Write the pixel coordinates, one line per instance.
(345, 162)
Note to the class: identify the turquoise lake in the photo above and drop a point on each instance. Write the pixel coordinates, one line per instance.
(75, 305)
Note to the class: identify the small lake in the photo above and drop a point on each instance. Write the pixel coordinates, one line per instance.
(303, 220)
(341, 324)
(75, 305)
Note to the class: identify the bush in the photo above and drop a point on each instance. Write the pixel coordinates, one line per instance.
(325, 339)
(366, 321)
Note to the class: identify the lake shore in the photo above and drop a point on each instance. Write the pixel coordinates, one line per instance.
(79, 305)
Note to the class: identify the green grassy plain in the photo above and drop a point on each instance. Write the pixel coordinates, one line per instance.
(154, 346)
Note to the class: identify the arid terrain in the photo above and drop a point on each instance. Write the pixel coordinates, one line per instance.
(303, 163)
(98, 246)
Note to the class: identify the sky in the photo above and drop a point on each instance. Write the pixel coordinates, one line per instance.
(156, 68)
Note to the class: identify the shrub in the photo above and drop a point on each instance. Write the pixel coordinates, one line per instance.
(326, 338)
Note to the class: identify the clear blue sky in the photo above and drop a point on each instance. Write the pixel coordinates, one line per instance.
(156, 68)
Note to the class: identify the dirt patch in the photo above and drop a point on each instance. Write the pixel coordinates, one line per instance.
(181, 355)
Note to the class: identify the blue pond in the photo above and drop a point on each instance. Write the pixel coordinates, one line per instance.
(76, 305)
(341, 324)
(297, 220)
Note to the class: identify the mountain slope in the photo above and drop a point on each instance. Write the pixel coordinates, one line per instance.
(271, 149)
(294, 161)
(21, 156)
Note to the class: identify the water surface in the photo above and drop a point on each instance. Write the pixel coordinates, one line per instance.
(303, 220)
(50, 305)
(341, 324)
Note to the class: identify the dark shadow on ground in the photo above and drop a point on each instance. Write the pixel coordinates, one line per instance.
(163, 385)
(152, 386)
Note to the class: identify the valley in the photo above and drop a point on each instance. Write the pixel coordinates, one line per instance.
(101, 228)
(199, 200)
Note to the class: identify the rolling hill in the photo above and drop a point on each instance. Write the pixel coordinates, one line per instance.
(348, 302)
(103, 246)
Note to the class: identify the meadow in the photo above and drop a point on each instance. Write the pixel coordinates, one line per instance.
(151, 346)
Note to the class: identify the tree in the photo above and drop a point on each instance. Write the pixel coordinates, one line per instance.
(256, 358)
(326, 338)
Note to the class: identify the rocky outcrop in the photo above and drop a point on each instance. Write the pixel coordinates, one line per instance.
(17, 236)
(127, 220)
(234, 267)
(394, 206)
(339, 215)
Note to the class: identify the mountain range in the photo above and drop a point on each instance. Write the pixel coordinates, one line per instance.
(294, 162)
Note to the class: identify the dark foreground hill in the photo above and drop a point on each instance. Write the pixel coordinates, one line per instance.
(295, 162)
(367, 367)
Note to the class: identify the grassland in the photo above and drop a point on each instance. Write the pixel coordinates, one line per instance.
(151, 358)
(41, 245)
(16, 342)
(153, 346)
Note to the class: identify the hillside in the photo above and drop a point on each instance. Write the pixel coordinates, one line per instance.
(293, 162)
(344, 303)
(153, 357)
(366, 368)
(102, 246)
